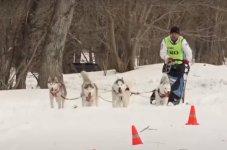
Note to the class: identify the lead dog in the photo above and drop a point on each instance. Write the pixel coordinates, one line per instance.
(163, 91)
(89, 91)
(57, 90)
(120, 94)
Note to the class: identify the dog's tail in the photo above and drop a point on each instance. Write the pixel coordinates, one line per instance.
(85, 76)
(165, 79)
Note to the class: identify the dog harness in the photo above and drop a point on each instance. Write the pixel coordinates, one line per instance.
(88, 99)
(127, 89)
(163, 95)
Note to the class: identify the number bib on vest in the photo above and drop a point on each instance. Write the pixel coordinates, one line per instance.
(175, 51)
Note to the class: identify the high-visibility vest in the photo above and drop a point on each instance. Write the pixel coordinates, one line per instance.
(175, 51)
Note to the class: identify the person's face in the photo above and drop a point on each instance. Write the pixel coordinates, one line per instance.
(174, 36)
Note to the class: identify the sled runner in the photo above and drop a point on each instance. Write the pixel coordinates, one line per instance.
(178, 79)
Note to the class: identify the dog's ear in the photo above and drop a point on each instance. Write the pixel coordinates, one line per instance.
(55, 79)
(122, 79)
(49, 79)
(116, 80)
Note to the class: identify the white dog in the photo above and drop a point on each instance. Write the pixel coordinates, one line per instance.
(163, 91)
(89, 91)
(120, 94)
(57, 90)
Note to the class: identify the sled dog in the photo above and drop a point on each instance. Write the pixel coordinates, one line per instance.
(120, 94)
(89, 91)
(163, 91)
(57, 90)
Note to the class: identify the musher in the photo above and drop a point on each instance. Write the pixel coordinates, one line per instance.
(174, 48)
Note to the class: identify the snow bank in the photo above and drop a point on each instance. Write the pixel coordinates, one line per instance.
(28, 123)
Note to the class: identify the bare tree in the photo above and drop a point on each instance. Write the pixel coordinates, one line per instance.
(116, 32)
(53, 47)
(24, 44)
(11, 23)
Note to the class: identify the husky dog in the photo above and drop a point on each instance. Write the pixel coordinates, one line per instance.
(120, 94)
(163, 91)
(89, 91)
(57, 91)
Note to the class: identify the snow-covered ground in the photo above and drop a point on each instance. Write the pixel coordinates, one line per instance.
(28, 123)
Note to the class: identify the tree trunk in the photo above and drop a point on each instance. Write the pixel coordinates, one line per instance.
(128, 31)
(143, 56)
(132, 57)
(101, 57)
(55, 41)
(25, 45)
(113, 48)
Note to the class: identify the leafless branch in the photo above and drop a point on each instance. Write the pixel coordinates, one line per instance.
(29, 63)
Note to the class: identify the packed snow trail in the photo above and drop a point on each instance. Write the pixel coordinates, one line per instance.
(28, 123)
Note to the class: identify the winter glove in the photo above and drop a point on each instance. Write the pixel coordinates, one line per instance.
(170, 59)
(186, 61)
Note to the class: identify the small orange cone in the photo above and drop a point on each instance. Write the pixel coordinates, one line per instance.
(192, 117)
(135, 137)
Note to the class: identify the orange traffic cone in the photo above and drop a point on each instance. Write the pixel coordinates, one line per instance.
(192, 117)
(135, 137)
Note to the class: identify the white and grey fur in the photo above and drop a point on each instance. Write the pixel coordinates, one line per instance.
(120, 94)
(57, 90)
(89, 91)
(163, 91)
